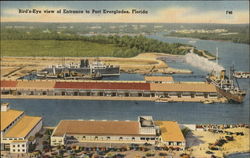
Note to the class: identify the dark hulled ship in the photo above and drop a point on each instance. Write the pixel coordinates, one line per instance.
(227, 86)
(85, 68)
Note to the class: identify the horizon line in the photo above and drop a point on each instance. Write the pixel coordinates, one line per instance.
(125, 22)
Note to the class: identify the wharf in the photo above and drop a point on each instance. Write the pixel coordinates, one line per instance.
(157, 88)
(169, 100)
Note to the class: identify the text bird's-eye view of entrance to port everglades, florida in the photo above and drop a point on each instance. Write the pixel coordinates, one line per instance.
(125, 79)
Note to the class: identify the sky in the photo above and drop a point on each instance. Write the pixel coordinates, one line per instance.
(158, 11)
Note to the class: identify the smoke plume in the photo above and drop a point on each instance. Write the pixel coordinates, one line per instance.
(202, 63)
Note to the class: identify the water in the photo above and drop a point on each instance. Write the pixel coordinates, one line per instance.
(239, 155)
(55, 110)
(230, 53)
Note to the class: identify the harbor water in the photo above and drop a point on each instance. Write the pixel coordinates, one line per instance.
(239, 155)
(189, 113)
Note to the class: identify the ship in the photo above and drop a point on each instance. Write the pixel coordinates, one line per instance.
(68, 75)
(227, 86)
(241, 74)
(84, 68)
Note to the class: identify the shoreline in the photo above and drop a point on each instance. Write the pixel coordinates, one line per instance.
(207, 39)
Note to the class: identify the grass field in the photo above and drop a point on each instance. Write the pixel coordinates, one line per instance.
(54, 48)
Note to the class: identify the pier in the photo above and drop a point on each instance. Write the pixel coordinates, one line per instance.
(157, 88)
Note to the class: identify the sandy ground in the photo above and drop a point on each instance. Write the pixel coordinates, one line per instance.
(199, 142)
(16, 67)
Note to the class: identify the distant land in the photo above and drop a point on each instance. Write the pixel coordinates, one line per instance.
(108, 39)
(241, 36)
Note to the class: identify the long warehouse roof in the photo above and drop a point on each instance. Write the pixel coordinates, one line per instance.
(112, 85)
(97, 127)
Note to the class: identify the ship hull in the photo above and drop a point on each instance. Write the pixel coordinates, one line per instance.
(234, 98)
(71, 78)
(111, 71)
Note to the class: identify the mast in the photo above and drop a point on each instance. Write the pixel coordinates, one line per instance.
(237, 83)
(217, 55)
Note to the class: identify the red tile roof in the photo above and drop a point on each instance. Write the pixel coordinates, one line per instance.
(103, 85)
(4, 83)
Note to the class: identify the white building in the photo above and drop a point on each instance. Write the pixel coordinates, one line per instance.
(74, 131)
(144, 130)
(16, 129)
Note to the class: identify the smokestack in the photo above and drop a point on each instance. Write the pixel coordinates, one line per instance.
(82, 63)
(217, 55)
(87, 63)
(222, 74)
(54, 70)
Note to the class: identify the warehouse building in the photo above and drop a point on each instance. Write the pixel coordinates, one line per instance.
(153, 88)
(144, 130)
(74, 131)
(17, 129)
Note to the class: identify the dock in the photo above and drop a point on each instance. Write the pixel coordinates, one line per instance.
(151, 89)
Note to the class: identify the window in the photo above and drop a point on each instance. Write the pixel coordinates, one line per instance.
(13, 146)
(120, 138)
(18, 145)
(23, 150)
(108, 138)
(14, 150)
(23, 145)
(18, 150)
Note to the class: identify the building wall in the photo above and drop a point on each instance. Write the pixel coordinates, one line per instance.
(56, 140)
(20, 147)
(147, 130)
(114, 93)
(175, 144)
(129, 139)
(9, 140)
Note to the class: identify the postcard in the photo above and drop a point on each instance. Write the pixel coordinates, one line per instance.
(125, 79)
